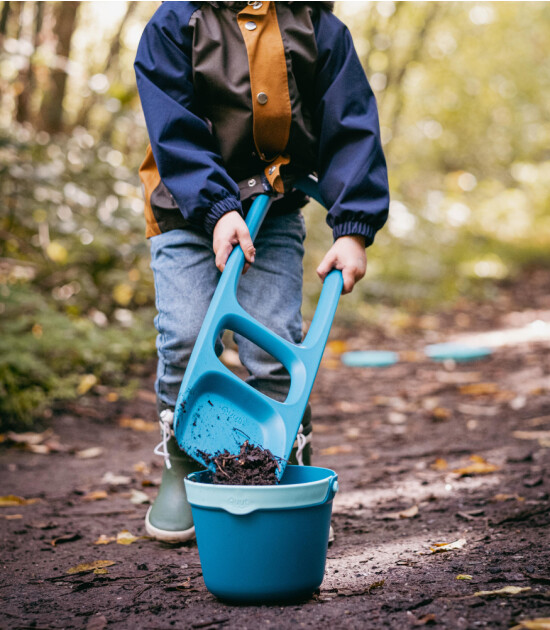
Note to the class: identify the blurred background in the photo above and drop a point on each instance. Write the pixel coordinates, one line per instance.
(464, 97)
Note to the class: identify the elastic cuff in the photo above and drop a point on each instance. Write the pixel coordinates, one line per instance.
(216, 212)
(351, 228)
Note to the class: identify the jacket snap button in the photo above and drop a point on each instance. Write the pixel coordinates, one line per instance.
(250, 26)
(251, 182)
(262, 98)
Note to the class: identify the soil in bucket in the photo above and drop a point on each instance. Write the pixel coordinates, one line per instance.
(252, 466)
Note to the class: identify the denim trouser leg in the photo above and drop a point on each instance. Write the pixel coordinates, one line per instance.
(186, 276)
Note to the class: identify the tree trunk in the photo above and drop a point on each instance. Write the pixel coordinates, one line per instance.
(51, 110)
(27, 76)
(4, 19)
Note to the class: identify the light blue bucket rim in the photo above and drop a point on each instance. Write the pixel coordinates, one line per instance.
(241, 500)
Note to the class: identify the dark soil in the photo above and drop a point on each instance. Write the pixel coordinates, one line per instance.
(426, 454)
(252, 466)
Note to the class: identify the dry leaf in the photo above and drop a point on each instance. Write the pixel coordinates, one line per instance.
(337, 346)
(143, 468)
(96, 495)
(28, 437)
(342, 449)
(479, 389)
(100, 571)
(65, 539)
(115, 480)
(11, 500)
(439, 547)
(104, 540)
(423, 621)
(98, 621)
(138, 498)
(90, 453)
(395, 516)
(11, 517)
(441, 413)
(463, 576)
(439, 464)
(478, 467)
(506, 497)
(126, 538)
(138, 424)
(111, 397)
(86, 383)
(540, 623)
(507, 590)
(532, 435)
(92, 566)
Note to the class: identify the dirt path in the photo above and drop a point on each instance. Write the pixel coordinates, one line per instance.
(394, 436)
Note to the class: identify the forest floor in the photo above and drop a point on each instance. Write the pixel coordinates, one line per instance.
(426, 453)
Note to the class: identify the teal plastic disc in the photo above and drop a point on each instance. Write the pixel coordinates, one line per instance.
(370, 358)
(456, 352)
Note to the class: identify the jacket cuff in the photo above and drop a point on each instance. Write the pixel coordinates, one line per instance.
(216, 212)
(350, 228)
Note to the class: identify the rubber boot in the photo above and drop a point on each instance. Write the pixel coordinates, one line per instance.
(169, 519)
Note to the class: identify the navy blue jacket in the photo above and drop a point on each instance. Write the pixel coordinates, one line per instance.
(335, 127)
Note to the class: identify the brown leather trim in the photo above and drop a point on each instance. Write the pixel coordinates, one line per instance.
(273, 173)
(268, 74)
(150, 178)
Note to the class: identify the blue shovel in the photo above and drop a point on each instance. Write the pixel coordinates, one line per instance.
(216, 410)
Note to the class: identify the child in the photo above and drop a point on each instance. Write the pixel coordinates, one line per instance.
(241, 98)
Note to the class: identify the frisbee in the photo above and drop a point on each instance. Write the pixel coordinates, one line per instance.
(456, 352)
(370, 358)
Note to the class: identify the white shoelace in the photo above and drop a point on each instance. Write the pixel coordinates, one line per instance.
(166, 421)
(302, 441)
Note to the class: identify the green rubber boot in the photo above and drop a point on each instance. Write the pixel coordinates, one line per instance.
(169, 519)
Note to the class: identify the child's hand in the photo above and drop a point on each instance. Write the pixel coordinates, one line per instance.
(348, 255)
(229, 231)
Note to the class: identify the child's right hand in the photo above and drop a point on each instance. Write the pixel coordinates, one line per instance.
(229, 231)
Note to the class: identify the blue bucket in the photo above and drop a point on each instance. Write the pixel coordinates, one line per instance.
(261, 544)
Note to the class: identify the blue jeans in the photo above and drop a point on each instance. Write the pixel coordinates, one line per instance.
(186, 276)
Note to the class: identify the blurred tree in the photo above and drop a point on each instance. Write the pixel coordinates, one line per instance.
(51, 109)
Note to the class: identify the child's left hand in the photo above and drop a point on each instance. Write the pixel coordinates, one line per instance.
(348, 255)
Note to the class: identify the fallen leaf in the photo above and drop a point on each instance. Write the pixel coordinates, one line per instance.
(478, 467)
(408, 513)
(97, 622)
(126, 538)
(143, 468)
(104, 540)
(65, 539)
(441, 413)
(90, 453)
(540, 623)
(506, 497)
(87, 381)
(11, 499)
(28, 437)
(337, 346)
(463, 576)
(532, 435)
(11, 517)
(111, 397)
(96, 495)
(342, 449)
(479, 389)
(139, 498)
(100, 571)
(439, 464)
(115, 480)
(422, 621)
(457, 544)
(506, 590)
(138, 424)
(92, 566)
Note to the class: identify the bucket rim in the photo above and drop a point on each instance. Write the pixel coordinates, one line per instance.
(240, 500)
